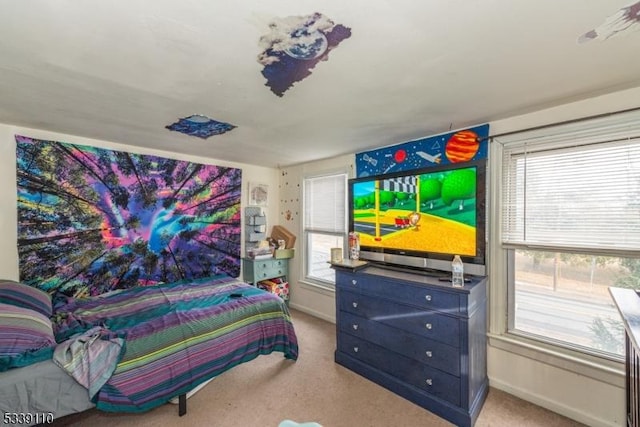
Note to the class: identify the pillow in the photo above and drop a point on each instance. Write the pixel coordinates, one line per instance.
(21, 295)
(26, 337)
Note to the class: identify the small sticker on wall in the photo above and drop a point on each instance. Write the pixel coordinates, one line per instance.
(258, 194)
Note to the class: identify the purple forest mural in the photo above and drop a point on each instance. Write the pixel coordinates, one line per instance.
(92, 220)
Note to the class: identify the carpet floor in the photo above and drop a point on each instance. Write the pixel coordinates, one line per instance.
(269, 389)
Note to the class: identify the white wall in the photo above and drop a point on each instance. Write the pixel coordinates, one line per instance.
(8, 191)
(579, 389)
(311, 299)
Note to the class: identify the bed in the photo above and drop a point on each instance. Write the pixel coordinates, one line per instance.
(136, 349)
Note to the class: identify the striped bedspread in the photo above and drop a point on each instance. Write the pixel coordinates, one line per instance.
(180, 335)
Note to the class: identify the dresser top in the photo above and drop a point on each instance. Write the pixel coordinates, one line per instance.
(628, 303)
(422, 278)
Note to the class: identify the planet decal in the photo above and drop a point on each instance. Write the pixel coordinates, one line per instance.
(310, 46)
(462, 146)
(400, 156)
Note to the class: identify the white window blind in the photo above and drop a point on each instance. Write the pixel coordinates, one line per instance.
(574, 186)
(324, 205)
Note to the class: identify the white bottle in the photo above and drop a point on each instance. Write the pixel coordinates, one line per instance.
(457, 272)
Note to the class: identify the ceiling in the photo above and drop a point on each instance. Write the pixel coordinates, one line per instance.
(394, 70)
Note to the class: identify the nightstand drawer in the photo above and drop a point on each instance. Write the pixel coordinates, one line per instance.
(268, 269)
(424, 350)
(429, 379)
(261, 269)
(269, 264)
(420, 296)
(425, 323)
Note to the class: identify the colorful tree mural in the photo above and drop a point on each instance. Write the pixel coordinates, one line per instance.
(92, 220)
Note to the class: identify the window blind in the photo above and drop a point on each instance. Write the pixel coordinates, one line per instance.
(574, 186)
(325, 202)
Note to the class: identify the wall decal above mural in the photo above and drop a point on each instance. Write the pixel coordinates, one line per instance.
(295, 45)
(453, 147)
(92, 220)
(200, 126)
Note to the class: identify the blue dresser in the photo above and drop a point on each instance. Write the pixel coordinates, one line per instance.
(416, 336)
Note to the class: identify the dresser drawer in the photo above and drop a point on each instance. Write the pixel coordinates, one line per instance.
(429, 297)
(270, 264)
(270, 273)
(430, 352)
(266, 269)
(422, 322)
(412, 372)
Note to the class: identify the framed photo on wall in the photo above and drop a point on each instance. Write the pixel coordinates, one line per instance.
(258, 194)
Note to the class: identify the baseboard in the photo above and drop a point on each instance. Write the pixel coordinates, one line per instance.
(544, 402)
(311, 312)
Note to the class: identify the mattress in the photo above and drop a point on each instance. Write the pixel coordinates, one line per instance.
(39, 389)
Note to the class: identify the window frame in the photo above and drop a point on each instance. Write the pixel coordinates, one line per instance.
(308, 231)
(502, 280)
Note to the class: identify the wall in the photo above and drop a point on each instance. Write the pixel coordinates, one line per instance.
(8, 208)
(582, 389)
(312, 299)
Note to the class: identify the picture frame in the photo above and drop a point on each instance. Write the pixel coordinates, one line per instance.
(258, 194)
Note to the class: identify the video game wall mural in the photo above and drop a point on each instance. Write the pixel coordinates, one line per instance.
(92, 220)
(453, 147)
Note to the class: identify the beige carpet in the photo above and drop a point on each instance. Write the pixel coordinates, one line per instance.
(269, 389)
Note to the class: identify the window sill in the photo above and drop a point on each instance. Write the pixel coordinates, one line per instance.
(317, 287)
(601, 369)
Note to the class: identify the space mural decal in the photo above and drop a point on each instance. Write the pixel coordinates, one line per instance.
(92, 220)
(200, 126)
(453, 147)
(623, 20)
(295, 45)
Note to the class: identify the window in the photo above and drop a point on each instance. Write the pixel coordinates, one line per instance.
(325, 224)
(571, 228)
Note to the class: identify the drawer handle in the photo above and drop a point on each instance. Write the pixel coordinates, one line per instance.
(429, 382)
(429, 353)
(355, 349)
(355, 304)
(428, 326)
(427, 297)
(355, 327)
(354, 282)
